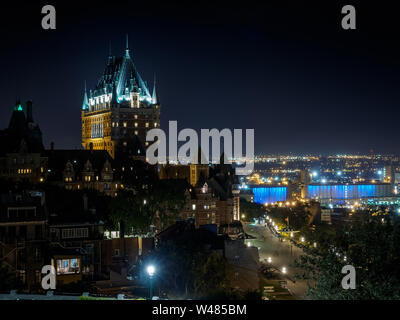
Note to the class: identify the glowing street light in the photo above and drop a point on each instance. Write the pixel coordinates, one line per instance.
(248, 244)
(269, 259)
(284, 270)
(314, 174)
(302, 239)
(151, 270)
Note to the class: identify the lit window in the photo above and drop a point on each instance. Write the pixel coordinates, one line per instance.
(193, 207)
(68, 266)
(136, 124)
(147, 124)
(125, 124)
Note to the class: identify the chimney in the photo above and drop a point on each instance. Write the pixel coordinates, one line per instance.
(29, 116)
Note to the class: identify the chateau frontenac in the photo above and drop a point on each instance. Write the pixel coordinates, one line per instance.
(119, 111)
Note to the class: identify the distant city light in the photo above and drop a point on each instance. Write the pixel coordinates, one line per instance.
(269, 259)
(323, 180)
(339, 173)
(284, 270)
(314, 173)
(379, 172)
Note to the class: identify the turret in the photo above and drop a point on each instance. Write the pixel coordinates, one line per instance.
(85, 103)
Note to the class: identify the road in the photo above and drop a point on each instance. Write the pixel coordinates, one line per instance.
(282, 254)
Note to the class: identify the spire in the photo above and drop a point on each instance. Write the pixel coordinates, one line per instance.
(154, 98)
(85, 103)
(127, 47)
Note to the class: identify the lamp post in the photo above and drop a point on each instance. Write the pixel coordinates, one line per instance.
(150, 271)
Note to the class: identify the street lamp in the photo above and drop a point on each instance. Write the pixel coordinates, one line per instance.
(151, 270)
(284, 270)
(302, 239)
(269, 260)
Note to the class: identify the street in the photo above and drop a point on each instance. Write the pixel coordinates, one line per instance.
(282, 254)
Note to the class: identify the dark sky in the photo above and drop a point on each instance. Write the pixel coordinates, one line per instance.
(288, 70)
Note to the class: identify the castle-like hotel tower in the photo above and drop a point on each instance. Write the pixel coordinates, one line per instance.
(117, 114)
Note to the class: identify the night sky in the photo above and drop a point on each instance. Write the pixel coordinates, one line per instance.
(288, 70)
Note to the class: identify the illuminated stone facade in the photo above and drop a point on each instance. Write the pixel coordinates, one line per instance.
(120, 110)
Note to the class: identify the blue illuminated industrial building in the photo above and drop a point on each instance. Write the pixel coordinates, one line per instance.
(348, 191)
(269, 194)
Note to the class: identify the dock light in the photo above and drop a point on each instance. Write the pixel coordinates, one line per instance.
(284, 270)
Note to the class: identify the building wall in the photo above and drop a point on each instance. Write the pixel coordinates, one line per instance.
(116, 125)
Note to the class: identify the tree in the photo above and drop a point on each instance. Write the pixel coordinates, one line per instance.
(299, 216)
(251, 210)
(130, 213)
(209, 274)
(368, 244)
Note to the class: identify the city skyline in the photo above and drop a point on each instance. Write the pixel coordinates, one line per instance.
(248, 70)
